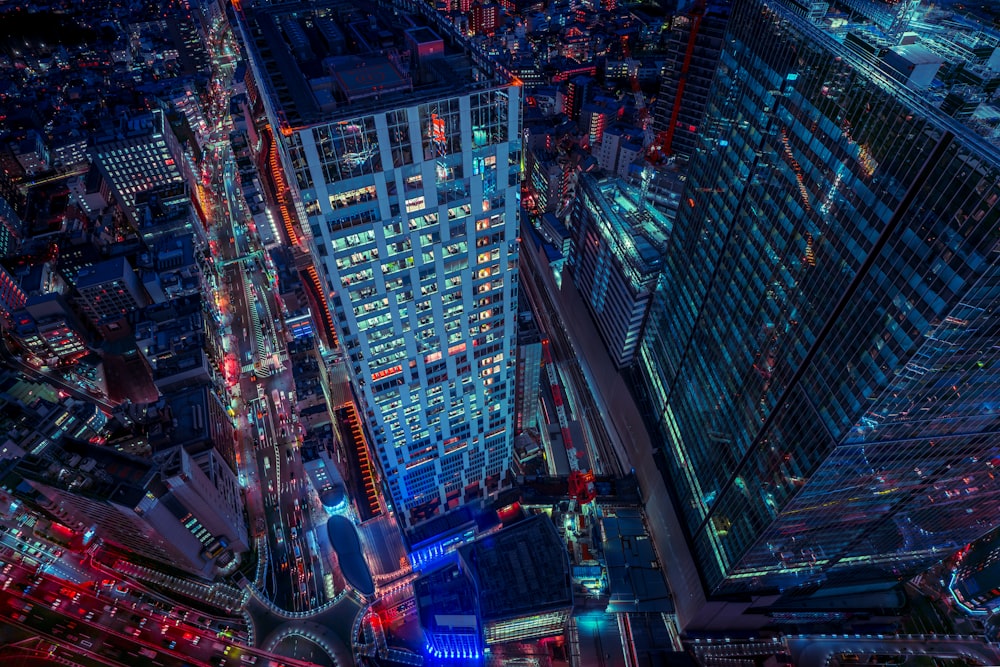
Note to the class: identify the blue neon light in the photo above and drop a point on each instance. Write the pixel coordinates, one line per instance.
(954, 595)
(454, 654)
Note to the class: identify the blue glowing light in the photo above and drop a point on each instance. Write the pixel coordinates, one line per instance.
(958, 600)
(452, 654)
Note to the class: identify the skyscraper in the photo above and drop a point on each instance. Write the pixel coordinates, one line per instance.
(822, 353)
(692, 52)
(404, 154)
(619, 248)
(142, 156)
(183, 510)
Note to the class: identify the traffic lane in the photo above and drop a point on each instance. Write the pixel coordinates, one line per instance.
(268, 480)
(303, 583)
(86, 607)
(279, 538)
(816, 651)
(287, 473)
(62, 626)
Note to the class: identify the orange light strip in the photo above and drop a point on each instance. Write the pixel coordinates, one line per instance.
(281, 188)
(327, 315)
(366, 467)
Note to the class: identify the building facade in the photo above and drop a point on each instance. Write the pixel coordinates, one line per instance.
(529, 371)
(11, 228)
(182, 511)
(12, 298)
(692, 53)
(411, 195)
(975, 581)
(48, 332)
(821, 355)
(618, 255)
(142, 157)
(108, 292)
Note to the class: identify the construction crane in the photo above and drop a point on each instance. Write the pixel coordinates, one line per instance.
(581, 482)
(662, 147)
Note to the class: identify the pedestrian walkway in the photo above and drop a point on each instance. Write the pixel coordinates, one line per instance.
(816, 651)
(318, 634)
(369, 640)
(221, 595)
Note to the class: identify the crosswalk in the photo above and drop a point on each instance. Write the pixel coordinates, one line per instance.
(260, 371)
(288, 487)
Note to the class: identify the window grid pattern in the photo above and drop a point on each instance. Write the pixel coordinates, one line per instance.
(420, 290)
(811, 435)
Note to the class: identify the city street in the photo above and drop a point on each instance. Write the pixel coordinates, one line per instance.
(267, 423)
(816, 651)
(268, 431)
(110, 620)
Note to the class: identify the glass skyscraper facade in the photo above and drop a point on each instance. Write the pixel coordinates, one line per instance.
(822, 354)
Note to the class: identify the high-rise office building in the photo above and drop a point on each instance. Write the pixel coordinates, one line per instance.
(618, 254)
(108, 292)
(183, 510)
(692, 52)
(48, 332)
(404, 156)
(11, 228)
(143, 155)
(822, 356)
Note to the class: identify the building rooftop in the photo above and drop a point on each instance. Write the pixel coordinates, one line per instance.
(104, 272)
(92, 471)
(446, 601)
(938, 52)
(344, 537)
(527, 328)
(520, 569)
(340, 59)
(636, 231)
(636, 580)
(188, 419)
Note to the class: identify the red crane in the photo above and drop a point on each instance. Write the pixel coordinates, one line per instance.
(662, 147)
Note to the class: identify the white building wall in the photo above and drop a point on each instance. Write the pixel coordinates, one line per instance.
(430, 341)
